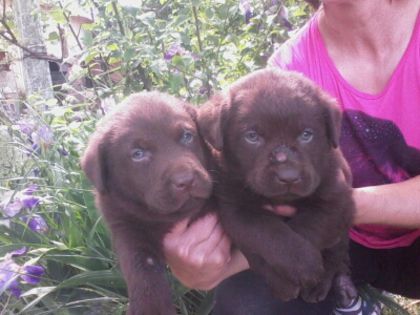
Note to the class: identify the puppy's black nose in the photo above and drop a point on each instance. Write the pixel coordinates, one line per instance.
(288, 176)
(182, 181)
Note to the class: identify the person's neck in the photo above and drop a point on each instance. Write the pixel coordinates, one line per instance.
(366, 39)
(367, 26)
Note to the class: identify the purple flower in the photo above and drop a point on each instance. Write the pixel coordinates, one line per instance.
(283, 17)
(38, 138)
(29, 202)
(177, 50)
(8, 279)
(203, 90)
(36, 172)
(246, 9)
(63, 152)
(23, 199)
(14, 288)
(32, 273)
(18, 252)
(11, 272)
(26, 127)
(46, 134)
(30, 189)
(35, 148)
(36, 223)
(43, 137)
(11, 208)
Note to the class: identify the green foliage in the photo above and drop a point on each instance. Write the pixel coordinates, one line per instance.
(210, 42)
(75, 248)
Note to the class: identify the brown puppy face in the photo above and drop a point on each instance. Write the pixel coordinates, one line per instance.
(275, 129)
(149, 152)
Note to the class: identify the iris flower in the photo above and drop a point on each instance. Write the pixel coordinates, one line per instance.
(23, 199)
(12, 274)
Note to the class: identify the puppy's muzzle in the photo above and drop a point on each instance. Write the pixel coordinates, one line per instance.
(283, 157)
(189, 181)
(288, 176)
(183, 181)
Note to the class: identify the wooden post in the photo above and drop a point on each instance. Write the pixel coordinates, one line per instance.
(36, 73)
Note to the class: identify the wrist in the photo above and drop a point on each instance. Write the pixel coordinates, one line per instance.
(237, 264)
(361, 200)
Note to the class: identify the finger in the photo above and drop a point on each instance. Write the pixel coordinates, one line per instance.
(184, 239)
(218, 248)
(180, 227)
(205, 224)
(174, 237)
(206, 251)
(199, 231)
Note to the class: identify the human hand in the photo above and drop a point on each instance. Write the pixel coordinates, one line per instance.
(199, 254)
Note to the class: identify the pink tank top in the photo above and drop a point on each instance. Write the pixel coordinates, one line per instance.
(380, 133)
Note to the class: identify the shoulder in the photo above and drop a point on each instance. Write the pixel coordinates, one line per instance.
(296, 51)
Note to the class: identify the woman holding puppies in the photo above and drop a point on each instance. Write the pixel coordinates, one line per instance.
(366, 54)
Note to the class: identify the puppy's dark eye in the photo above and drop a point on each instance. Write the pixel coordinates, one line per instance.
(306, 136)
(252, 136)
(138, 154)
(187, 137)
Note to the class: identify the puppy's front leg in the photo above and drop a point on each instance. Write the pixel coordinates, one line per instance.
(267, 241)
(337, 273)
(324, 223)
(143, 268)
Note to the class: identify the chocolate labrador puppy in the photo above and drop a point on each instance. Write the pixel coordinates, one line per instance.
(148, 167)
(278, 136)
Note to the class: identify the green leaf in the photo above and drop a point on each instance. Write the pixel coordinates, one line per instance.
(108, 278)
(87, 38)
(129, 54)
(40, 292)
(53, 36)
(57, 15)
(112, 47)
(195, 3)
(148, 18)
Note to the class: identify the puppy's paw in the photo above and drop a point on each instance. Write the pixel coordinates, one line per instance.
(149, 307)
(281, 285)
(309, 269)
(287, 293)
(169, 311)
(345, 290)
(317, 293)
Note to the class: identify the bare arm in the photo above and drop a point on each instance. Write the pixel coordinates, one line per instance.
(393, 204)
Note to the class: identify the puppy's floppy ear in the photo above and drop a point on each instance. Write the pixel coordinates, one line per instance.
(210, 120)
(93, 164)
(191, 111)
(332, 116)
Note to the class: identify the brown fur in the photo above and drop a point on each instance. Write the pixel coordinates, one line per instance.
(148, 166)
(262, 125)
